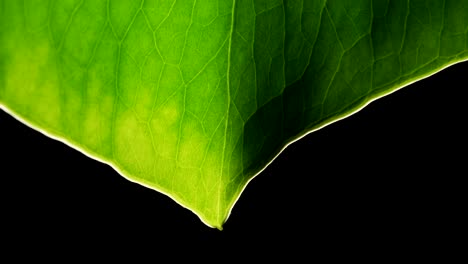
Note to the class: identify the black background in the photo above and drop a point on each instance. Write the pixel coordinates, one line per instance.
(386, 178)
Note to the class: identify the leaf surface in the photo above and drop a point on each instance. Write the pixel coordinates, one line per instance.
(193, 98)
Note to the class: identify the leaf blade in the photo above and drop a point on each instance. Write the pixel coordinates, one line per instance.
(195, 102)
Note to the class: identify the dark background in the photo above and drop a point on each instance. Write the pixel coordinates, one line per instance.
(386, 178)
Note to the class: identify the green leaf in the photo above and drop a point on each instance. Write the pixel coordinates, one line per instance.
(193, 98)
